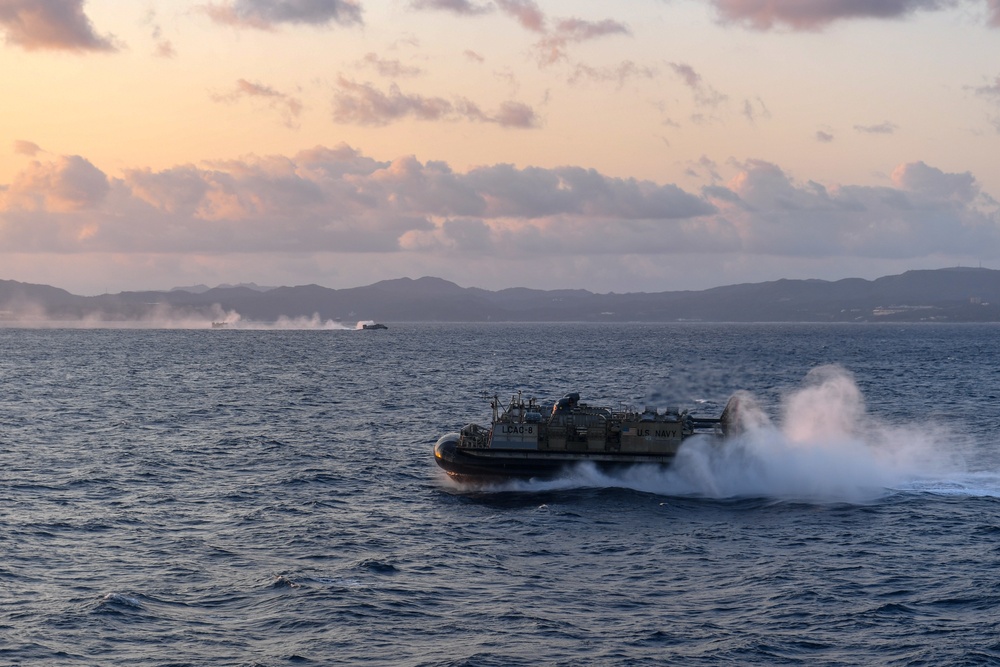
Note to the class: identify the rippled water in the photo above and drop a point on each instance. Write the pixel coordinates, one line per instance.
(226, 497)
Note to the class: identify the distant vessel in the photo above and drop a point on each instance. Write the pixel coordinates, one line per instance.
(523, 442)
(376, 325)
(220, 325)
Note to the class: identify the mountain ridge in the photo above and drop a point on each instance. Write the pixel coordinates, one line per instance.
(956, 294)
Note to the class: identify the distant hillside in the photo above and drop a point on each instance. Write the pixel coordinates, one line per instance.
(942, 295)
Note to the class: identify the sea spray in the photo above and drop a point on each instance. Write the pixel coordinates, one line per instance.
(825, 446)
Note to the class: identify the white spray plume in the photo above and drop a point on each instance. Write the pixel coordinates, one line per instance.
(826, 448)
(828, 409)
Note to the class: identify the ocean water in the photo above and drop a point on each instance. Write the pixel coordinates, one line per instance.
(269, 497)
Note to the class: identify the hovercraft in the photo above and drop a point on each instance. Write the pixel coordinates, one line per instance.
(523, 441)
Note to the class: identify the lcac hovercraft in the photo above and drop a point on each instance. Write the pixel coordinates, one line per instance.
(524, 441)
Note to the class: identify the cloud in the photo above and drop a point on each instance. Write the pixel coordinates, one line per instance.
(994, 7)
(339, 202)
(579, 30)
(389, 68)
(920, 178)
(704, 95)
(535, 193)
(334, 200)
(456, 6)
(704, 169)
(754, 109)
(268, 14)
(70, 183)
(619, 74)
(823, 137)
(51, 24)
(290, 107)
(510, 114)
(526, 12)
(927, 212)
(179, 190)
(552, 47)
(164, 48)
(815, 14)
(991, 91)
(553, 43)
(885, 127)
(363, 104)
(28, 148)
(687, 74)
(514, 114)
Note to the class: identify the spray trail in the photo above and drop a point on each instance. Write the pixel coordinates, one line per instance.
(168, 317)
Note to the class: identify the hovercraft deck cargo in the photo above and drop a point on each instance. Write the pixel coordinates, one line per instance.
(523, 442)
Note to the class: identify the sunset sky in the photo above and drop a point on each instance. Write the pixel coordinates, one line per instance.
(648, 145)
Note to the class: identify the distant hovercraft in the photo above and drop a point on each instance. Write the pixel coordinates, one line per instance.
(523, 442)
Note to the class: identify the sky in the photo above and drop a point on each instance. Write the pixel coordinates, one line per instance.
(643, 146)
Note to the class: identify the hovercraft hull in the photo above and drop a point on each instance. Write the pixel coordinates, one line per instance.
(497, 463)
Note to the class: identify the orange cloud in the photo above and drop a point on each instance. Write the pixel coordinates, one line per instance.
(70, 183)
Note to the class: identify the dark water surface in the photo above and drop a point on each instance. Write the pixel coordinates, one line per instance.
(236, 497)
